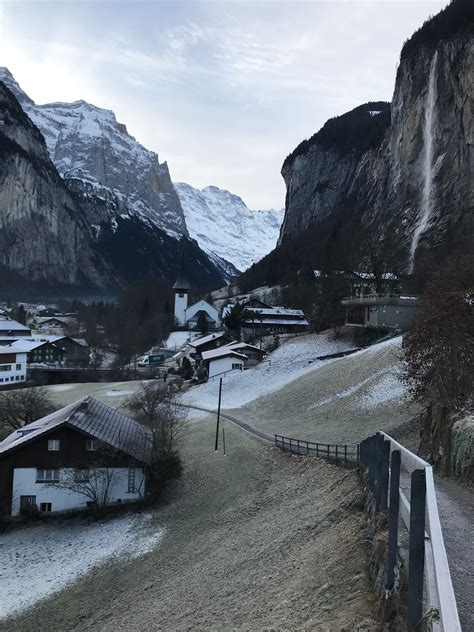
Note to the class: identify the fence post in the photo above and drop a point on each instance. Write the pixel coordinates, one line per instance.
(416, 548)
(359, 446)
(291, 449)
(371, 463)
(328, 451)
(345, 454)
(307, 448)
(393, 517)
(317, 449)
(378, 470)
(336, 453)
(385, 456)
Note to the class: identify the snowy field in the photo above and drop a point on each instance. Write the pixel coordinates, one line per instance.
(291, 360)
(39, 560)
(178, 339)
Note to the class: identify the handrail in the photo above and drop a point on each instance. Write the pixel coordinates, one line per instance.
(436, 572)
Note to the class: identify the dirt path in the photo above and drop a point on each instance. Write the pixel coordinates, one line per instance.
(456, 511)
(255, 540)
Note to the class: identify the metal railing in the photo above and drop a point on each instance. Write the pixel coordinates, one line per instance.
(338, 453)
(390, 467)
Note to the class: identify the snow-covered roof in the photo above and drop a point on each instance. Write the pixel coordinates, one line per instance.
(282, 321)
(12, 325)
(205, 339)
(277, 311)
(242, 345)
(95, 419)
(26, 346)
(222, 352)
(4, 349)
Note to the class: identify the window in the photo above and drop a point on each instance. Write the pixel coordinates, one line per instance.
(47, 476)
(27, 502)
(18, 367)
(91, 445)
(5, 367)
(236, 365)
(81, 475)
(53, 445)
(131, 480)
(45, 506)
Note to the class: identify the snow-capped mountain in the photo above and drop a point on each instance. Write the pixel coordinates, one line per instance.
(88, 146)
(223, 225)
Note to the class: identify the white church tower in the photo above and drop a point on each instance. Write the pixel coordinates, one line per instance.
(181, 290)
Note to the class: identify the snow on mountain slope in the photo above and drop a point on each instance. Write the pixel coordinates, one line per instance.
(224, 226)
(88, 145)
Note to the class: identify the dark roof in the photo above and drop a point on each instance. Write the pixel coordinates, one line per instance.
(95, 419)
(182, 282)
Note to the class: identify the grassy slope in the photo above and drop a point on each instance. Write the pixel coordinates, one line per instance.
(255, 540)
(299, 409)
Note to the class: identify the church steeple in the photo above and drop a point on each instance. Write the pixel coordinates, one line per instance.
(181, 289)
(182, 282)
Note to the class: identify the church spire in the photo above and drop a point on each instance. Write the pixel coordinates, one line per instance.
(182, 282)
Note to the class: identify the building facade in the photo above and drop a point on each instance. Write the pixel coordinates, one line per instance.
(85, 453)
(12, 367)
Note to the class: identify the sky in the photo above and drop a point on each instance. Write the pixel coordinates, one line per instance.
(223, 91)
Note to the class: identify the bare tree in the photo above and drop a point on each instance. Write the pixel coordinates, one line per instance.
(439, 350)
(156, 407)
(20, 407)
(95, 477)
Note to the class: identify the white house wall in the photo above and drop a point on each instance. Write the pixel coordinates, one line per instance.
(14, 375)
(220, 365)
(24, 484)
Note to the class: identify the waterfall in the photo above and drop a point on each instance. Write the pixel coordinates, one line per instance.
(427, 192)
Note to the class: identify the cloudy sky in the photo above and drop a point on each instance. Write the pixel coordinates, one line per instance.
(221, 90)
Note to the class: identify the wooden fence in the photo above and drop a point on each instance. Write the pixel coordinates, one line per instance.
(392, 473)
(338, 453)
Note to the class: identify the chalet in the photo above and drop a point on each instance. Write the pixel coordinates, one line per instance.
(12, 366)
(86, 442)
(10, 328)
(253, 354)
(207, 343)
(54, 323)
(220, 361)
(188, 315)
(39, 351)
(75, 350)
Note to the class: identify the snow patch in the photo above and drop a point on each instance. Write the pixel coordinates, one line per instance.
(39, 560)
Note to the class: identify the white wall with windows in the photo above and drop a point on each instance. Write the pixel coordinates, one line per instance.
(229, 363)
(12, 371)
(36, 487)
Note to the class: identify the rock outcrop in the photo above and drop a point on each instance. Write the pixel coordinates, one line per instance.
(417, 169)
(44, 234)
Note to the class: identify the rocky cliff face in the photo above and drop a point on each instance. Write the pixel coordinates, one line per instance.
(418, 171)
(111, 215)
(90, 147)
(44, 234)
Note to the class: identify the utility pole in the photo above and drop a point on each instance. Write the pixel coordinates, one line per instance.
(218, 413)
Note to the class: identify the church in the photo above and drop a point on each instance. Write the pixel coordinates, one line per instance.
(187, 315)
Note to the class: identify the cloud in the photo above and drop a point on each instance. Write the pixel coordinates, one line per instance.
(222, 90)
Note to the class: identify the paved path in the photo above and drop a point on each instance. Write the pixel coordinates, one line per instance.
(456, 513)
(237, 422)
